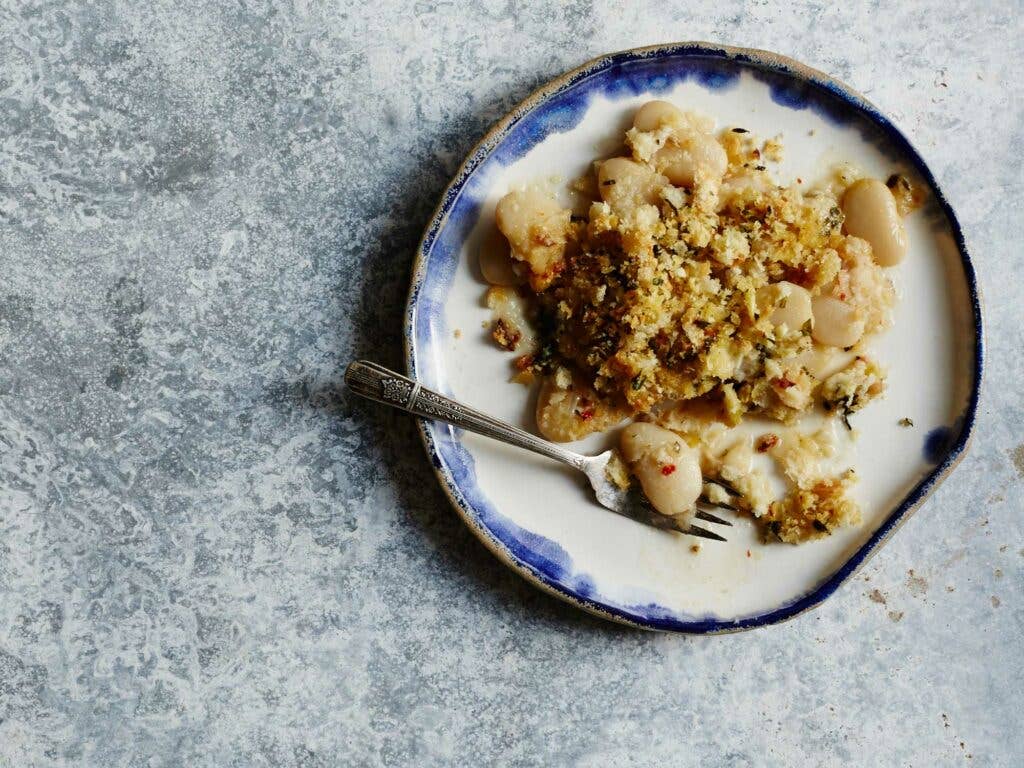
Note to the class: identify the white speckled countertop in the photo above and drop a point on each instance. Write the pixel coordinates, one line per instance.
(211, 556)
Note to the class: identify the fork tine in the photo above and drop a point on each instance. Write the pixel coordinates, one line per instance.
(693, 530)
(720, 504)
(711, 518)
(658, 520)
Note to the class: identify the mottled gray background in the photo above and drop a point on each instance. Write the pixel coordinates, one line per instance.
(211, 556)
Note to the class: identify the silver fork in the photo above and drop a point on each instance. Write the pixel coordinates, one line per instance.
(385, 386)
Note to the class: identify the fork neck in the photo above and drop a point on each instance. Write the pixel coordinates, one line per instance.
(522, 439)
(378, 383)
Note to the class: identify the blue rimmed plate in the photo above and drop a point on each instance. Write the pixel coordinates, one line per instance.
(539, 520)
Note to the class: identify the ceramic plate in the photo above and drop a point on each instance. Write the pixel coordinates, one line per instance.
(539, 519)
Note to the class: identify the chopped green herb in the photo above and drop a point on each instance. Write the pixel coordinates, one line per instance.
(834, 220)
(906, 422)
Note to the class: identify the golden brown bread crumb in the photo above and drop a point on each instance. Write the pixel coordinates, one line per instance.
(849, 390)
(695, 291)
(617, 471)
(814, 511)
(506, 335)
(672, 302)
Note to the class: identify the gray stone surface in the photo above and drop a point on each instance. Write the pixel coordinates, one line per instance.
(211, 556)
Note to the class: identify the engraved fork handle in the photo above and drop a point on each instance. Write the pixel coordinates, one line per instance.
(378, 383)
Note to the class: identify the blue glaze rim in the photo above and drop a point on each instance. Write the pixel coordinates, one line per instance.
(555, 108)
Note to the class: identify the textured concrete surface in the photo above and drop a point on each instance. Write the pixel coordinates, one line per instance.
(210, 556)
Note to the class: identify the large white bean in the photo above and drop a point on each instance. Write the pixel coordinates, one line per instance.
(667, 468)
(557, 413)
(509, 314)
(871, 214)
(566, 413)
(681, 161)
(625, 184)
(641, 438)
(792, 305)
(746, 184)
(821, 362)
(835, 322)
(654, 114)
(535, 225)
(496, 260)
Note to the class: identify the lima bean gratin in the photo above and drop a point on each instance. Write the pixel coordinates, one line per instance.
(686, 291)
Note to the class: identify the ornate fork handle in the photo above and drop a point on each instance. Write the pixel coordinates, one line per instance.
(385, 386)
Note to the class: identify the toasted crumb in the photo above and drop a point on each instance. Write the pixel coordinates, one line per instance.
(850, 389)
(506, 334)
(688, 287)
(813, 512)
(617, 471)
(773, 149)
(667, 290)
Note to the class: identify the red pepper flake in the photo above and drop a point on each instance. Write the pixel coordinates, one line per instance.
(783, 383)
(587, 414)
(842, 295)
(766, 442)
(748, 553)
(668, 469)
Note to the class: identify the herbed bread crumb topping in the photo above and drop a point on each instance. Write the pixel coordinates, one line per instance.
(691, 288)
